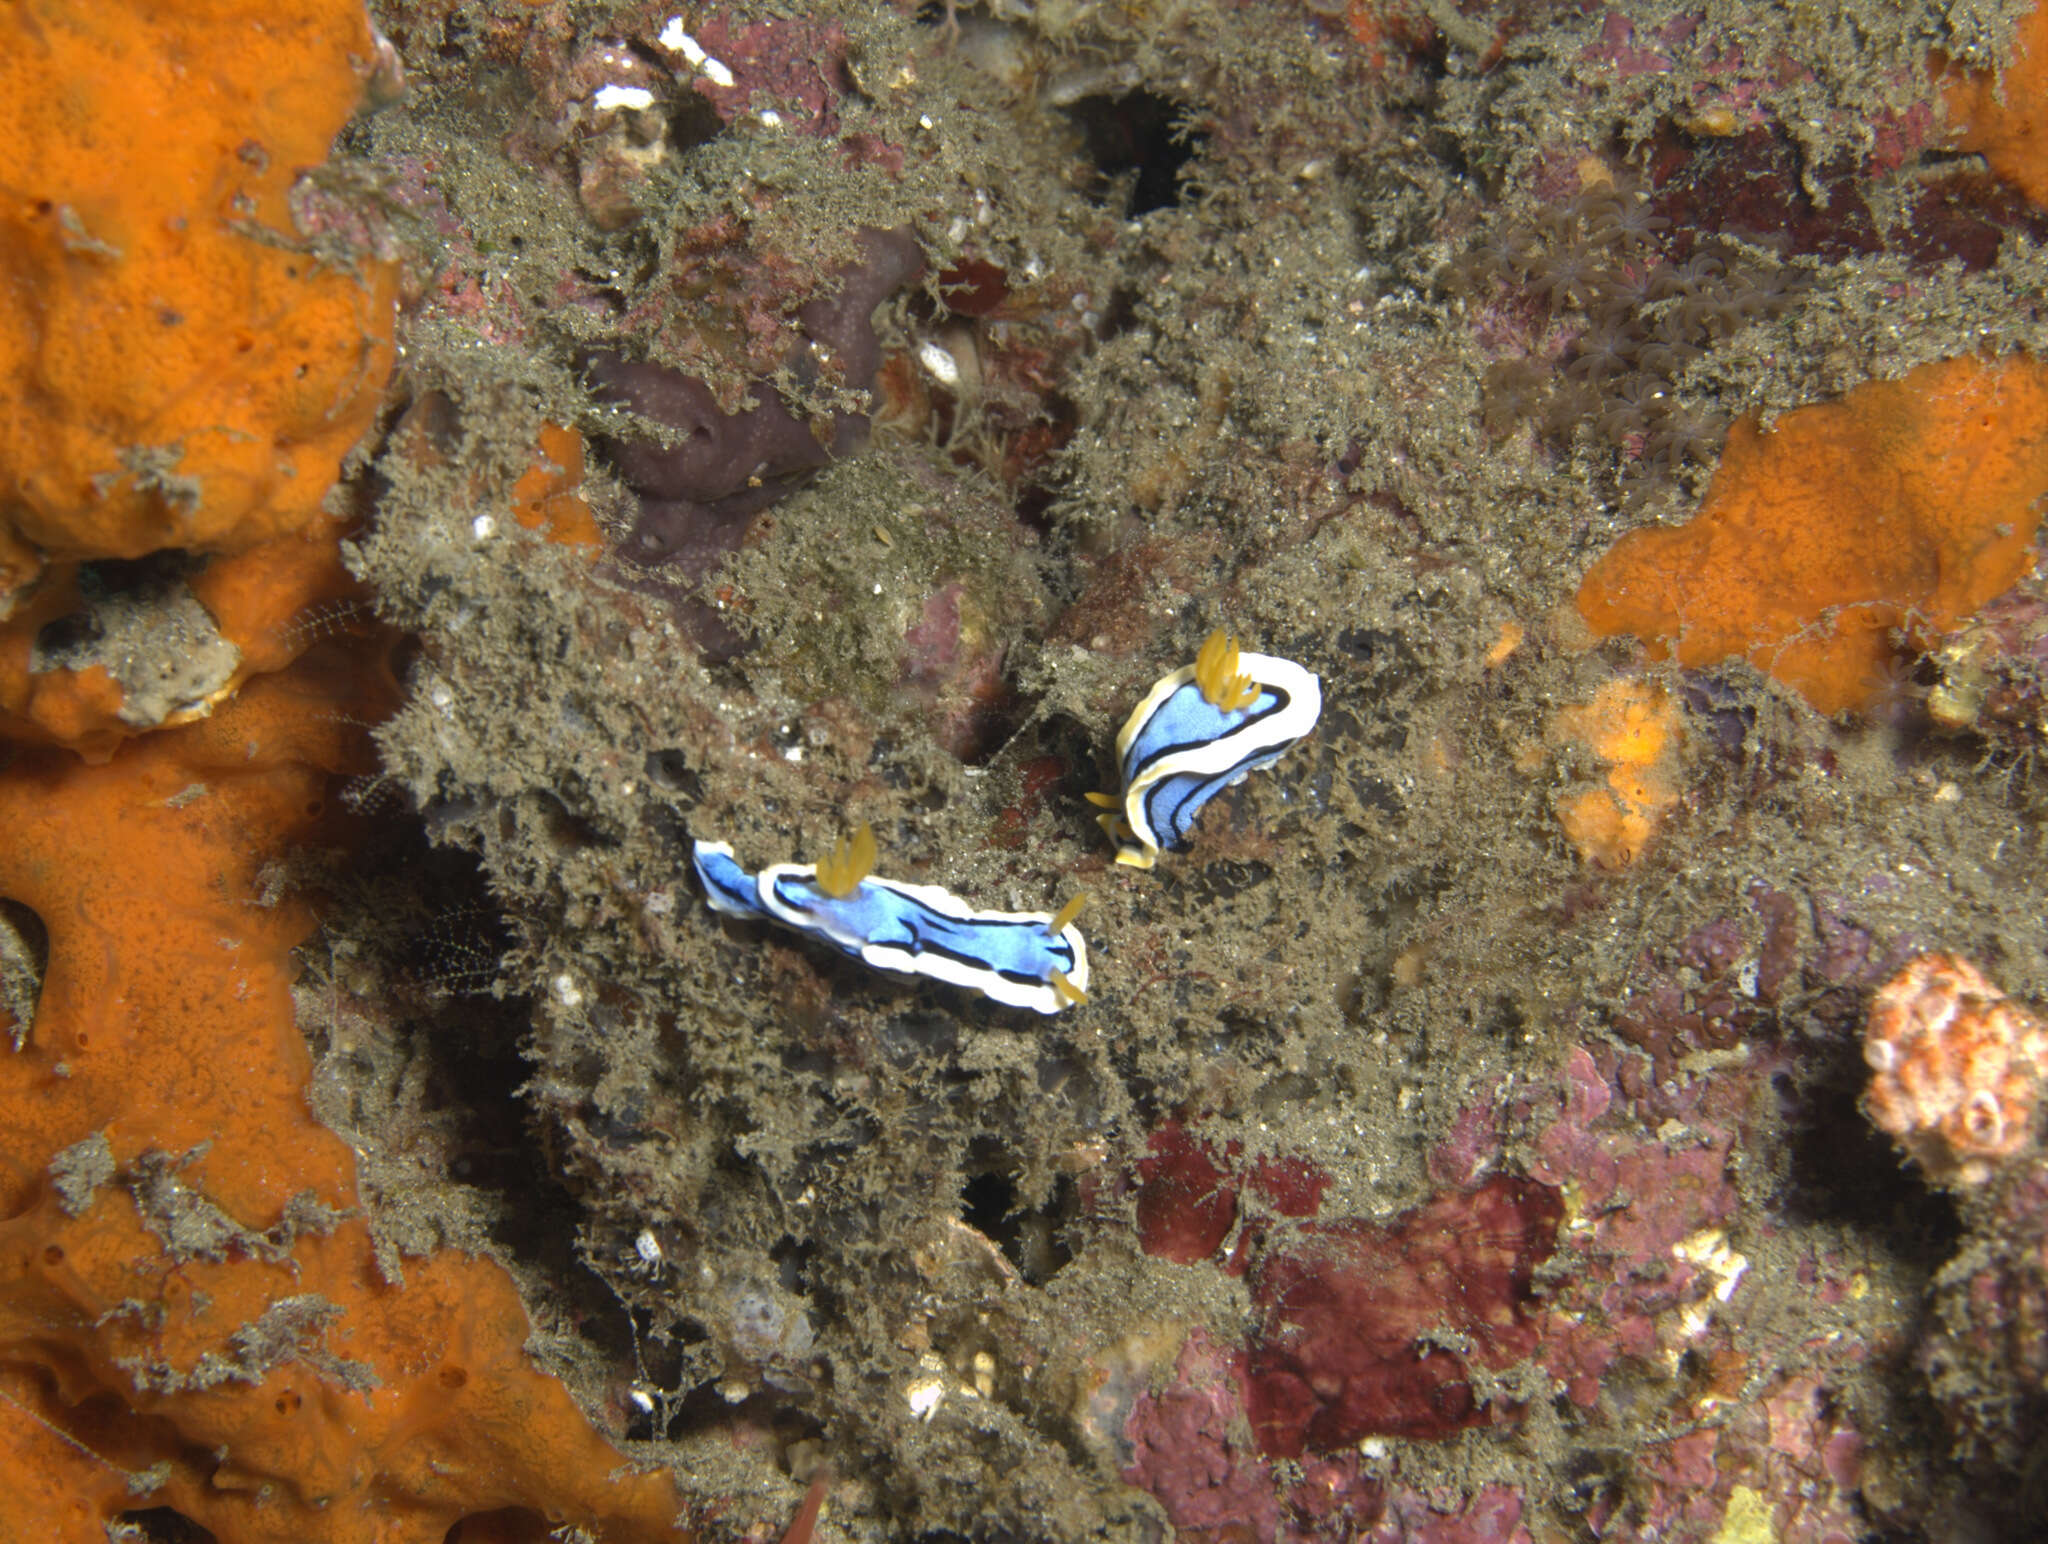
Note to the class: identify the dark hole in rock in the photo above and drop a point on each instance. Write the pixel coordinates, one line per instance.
(1141, 138)
(159, 1525)
(1844, 1169)
(692, 121)
(670, 769)
(668, 825)
(1230, 878)
(70, 634)
(507, 1525)
(910, 1038)
(1029, 1237)
(985, 1202)
(793, 1258)
(1384, 659)
(454, 42)
(456, 950)
(1119, 312)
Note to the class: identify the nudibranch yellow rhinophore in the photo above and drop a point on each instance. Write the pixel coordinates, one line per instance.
(1196, 732)
(1026, 959)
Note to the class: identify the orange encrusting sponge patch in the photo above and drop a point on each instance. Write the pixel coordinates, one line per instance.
(545, 498)
(270, 601)
(191, 1313)
(2004, 118)
(176, 370)
(1632, 728)
(1907, 503)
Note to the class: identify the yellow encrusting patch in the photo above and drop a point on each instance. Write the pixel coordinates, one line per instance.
(1217, 674)
(850, 861)
(1066, 914)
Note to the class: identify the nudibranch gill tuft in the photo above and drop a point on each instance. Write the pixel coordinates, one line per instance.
(1196, 732)
(1026, 959)
(1219, 674)
(850, 861)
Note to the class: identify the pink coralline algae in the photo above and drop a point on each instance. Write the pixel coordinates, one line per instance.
(952, 668)
(797, 66)
(1641, 1201)
(1645, 1292)
(1187, 1450)
(1187, 1453)
(1608, 1271)
(1183, 1451)
(1492, 1516)
(1621, 51)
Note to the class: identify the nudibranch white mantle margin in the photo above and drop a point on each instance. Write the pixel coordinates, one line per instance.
(1025, 959)
(1196, 732)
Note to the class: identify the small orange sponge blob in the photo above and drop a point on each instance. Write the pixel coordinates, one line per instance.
(1906, 503)
(2004, 117)
(268, 603)
(177, 367)
(1632, 728)
(545, 498)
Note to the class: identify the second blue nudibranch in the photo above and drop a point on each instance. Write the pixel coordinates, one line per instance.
(1027, 959)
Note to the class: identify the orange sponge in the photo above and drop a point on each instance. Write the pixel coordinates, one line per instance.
(545, 498)
(191, 1313)
(1633, 729)
(2005, 119)
(178, 368)
(1906, 503)
(267, 602)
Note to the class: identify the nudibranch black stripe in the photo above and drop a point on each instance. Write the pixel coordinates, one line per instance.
(1180, 748)
(1016, 957)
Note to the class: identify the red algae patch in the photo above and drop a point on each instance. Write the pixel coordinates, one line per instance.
(1353, 1341)
(1905, 503)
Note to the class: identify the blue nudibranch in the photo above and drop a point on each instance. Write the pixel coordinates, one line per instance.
(1197, 731)
(1027, 959)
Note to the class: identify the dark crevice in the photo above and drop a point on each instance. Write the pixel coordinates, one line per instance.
(1140, 142)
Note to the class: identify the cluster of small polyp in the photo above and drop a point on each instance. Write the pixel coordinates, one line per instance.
(1623, 320)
